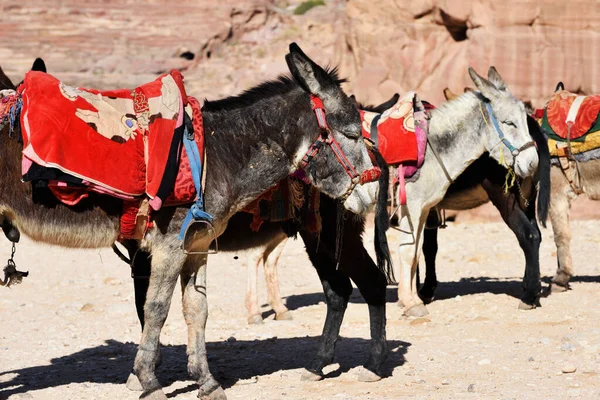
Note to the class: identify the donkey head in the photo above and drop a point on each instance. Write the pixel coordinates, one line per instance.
(325, 170)
(507, 134)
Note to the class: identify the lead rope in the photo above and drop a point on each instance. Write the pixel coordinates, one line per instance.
(11, 275)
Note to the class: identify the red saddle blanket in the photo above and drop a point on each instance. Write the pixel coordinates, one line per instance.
(565, 107)
(401, 132)
(117, 140)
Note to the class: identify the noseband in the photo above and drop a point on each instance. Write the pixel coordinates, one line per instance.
(513, 150)
(326, 137)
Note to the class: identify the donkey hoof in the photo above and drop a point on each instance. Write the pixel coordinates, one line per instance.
(255, 320)
(217, 394)
(284, 316)
(557, 288)
(133, 383)
(525, 306)
(368, 376)
(156, 394)
(310, 376)
(418, 310)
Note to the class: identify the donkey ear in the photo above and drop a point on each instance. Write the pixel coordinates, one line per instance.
(449, 94)
(5, 82)
(39, 65)
(487, 89)
(496, 79)
(306, 72)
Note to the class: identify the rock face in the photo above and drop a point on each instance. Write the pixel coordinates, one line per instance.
(391, 46)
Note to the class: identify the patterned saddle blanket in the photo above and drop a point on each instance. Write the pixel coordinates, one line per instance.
(124, 142)
(566, 110)
(399, 132)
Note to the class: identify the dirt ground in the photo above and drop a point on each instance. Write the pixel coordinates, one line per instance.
(70, 330)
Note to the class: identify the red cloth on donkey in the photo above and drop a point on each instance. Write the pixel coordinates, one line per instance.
(119, 140)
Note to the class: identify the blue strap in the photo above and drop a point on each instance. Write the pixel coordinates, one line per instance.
(197, 210)
(498, 130)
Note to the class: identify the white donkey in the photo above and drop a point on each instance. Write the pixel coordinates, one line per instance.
(460, 131)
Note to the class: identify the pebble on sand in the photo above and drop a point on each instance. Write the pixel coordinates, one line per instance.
(569, 368)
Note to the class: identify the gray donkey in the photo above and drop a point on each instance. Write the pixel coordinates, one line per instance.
(254, 140)
(460, 131)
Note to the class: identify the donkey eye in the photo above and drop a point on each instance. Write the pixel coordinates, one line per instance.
(510, 123)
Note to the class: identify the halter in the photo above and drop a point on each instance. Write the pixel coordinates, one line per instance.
(326, 137)
(513, 150)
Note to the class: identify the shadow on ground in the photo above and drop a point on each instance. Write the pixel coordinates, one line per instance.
(446, 290)
(230, 362)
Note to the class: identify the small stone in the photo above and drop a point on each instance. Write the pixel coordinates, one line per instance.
(568, 346)
(569, 368)
(531, 359)
(471, 388)
(87, 307)
(485, 361)
(420, 381)
(112, 281)
(419, 321)
(231, 339)
(446, 382)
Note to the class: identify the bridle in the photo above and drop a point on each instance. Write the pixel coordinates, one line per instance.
(512, 149)
(326, 138)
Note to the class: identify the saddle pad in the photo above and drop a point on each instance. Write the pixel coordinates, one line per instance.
(565, 105)
(120, 140)
(402, 132)
(559, 148)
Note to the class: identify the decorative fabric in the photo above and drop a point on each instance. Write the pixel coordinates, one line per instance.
(123, 142)
(565, 106)
(289, 199)
(401, 132)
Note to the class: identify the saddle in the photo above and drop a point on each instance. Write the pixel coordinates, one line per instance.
(571, 123)
(125, 143)
(400, 134)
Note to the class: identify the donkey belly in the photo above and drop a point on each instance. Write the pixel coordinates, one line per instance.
(239, 236)
(63, 227)
(465, 199)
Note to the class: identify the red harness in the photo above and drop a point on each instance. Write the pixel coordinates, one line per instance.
(326, 137)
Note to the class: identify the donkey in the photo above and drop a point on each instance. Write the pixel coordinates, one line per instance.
(269, 128)
(338, 255)
(490, 121)
(484, 181)
(569, 181)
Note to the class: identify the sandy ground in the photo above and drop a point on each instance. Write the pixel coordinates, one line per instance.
(69, 331)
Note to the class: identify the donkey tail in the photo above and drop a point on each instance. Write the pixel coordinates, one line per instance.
(543, 202)
(382, 221)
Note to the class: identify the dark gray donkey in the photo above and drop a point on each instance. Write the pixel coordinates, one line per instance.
(253, 141)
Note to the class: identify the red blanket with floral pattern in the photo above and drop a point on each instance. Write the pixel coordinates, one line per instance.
(119, 141)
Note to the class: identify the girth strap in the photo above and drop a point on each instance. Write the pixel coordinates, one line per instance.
(197, 210)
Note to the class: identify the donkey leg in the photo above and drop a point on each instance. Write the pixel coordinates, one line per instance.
(560, 203)
(167, 261)
(337, 289)
(254, 258)
(195, 312)
(411, 240)
(271, 259)
(372, 284)
(141, 279)
(525, 228)
(430, 248)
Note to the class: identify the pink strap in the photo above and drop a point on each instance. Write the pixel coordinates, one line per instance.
(402, 188)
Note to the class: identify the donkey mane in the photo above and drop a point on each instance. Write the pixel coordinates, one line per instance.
(276, 87)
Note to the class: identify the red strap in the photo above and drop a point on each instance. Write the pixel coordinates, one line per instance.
(402, 184)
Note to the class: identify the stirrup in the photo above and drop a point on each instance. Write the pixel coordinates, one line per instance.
(209, 227)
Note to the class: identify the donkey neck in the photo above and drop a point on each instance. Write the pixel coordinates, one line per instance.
(251, 148)
(457, 134)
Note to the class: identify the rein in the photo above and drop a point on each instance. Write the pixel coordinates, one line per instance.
(326, 138)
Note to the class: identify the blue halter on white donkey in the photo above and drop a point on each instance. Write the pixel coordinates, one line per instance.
(460, 131)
